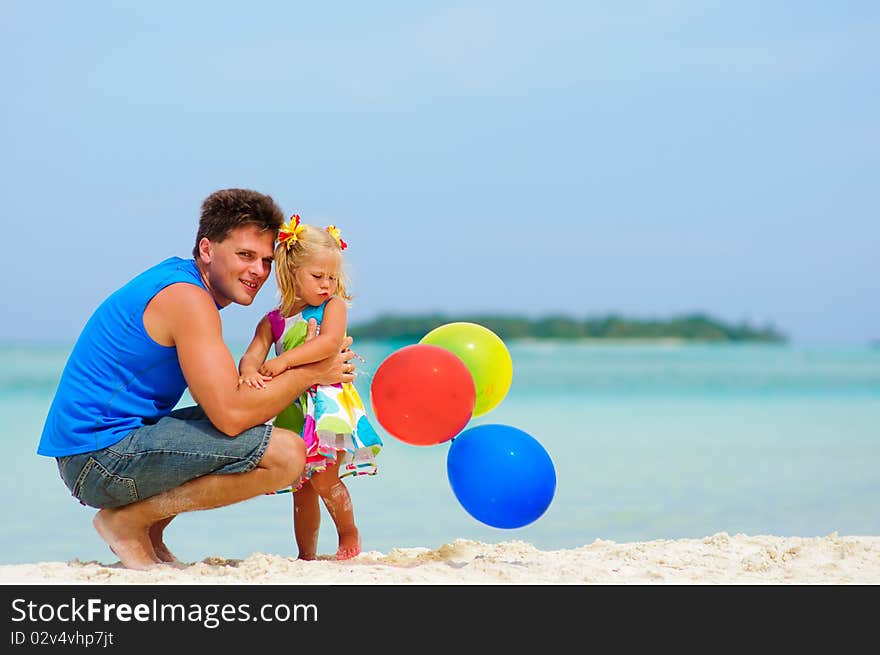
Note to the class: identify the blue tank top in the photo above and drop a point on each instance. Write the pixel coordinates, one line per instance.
(117, 378)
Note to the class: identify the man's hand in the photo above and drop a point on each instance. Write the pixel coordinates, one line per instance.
(311, 329)
(336, 369)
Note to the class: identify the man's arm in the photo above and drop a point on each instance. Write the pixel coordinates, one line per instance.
(185, 316)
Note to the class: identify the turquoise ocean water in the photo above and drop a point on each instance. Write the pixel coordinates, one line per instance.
(654, 441)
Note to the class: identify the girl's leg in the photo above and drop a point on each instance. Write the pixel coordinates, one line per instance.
(306, 521)
(337, 500)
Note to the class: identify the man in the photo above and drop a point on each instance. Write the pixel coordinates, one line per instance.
(120, 446)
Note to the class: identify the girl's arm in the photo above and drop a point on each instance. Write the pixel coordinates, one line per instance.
(255, 355)
(326, 343)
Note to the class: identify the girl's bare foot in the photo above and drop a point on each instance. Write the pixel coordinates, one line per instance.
(349, 544)
(130, 544)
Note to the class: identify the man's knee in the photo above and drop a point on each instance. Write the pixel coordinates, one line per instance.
(286, 454)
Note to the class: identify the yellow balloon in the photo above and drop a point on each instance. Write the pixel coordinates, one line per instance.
(485, 356)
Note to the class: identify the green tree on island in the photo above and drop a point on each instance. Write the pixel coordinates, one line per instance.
(693, 327)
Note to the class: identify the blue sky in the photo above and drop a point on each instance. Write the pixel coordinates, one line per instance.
(577, 158)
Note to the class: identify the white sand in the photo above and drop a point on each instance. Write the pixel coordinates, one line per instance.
(719, 559)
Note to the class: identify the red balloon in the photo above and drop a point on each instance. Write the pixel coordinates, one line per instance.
(423, 394)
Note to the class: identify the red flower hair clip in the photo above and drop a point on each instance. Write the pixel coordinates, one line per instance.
(334, 232)
(288, 234)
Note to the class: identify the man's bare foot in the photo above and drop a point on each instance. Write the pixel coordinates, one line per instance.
(349, 544)
(131, 545)
(308, 557)
(165, 556)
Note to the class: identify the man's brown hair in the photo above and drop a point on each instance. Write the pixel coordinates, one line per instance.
(228, 209)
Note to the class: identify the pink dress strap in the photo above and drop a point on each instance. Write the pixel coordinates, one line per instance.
(277, 323)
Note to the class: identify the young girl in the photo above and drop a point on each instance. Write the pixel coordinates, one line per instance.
(339, 438)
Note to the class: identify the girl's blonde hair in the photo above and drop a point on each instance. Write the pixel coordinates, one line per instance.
(311, 241)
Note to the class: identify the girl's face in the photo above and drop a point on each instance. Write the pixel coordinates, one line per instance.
(317, 279)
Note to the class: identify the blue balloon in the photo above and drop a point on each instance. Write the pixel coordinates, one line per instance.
(501, 475)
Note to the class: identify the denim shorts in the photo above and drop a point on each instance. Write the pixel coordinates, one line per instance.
(154, 458)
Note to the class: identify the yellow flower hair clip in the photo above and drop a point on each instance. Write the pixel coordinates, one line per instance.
(288, 234)
(335, 233)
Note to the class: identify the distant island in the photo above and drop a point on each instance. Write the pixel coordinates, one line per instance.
(694, 327)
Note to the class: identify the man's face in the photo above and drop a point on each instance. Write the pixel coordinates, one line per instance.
(237, 267)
